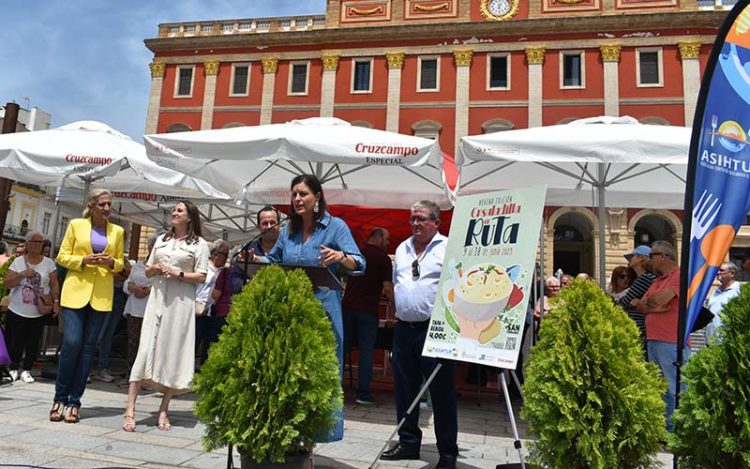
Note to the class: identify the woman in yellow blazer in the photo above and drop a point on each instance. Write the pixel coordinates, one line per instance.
(92, 251)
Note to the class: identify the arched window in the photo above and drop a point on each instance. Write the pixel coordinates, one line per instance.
(233, 125)
(567, 120)
(361, 123)
(497, 125)
(427, 129)
(652, 228)
(178, 128)
(654, 121)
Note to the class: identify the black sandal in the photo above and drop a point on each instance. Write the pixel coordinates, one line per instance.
(57, 411)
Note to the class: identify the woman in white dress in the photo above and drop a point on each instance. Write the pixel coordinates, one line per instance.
(166, 353)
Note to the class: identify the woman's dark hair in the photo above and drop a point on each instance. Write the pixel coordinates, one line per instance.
(194, 223)
(3, 247)
(622, 270)
(311, 181)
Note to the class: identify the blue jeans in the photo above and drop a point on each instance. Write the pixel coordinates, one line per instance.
(105, 339)
(81, 328)
(664, 354)
(109, 328)
(365, 326)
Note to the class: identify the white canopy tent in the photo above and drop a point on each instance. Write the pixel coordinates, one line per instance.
(88, 153)
(359, 166)
(220, 219)
(591, 162)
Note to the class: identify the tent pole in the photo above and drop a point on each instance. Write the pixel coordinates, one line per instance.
(86, 188)
(601, 170)
(55, 227)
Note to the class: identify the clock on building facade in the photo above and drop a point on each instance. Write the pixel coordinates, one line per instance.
(499, 9)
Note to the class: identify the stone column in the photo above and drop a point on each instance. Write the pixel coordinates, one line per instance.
(154, 97)
(328, 85)
(691, 77)
(462, 59)
(270, 65)
(393, 105)
(611, 58)
(535, 59)
(211, 69)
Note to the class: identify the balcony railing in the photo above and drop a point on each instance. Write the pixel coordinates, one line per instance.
(248, 26)
(716, 4)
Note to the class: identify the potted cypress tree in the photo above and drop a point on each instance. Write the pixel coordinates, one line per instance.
(589, 397)
(712, 422)
(271, 383)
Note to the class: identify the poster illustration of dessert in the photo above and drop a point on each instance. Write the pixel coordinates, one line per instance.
(483, 296)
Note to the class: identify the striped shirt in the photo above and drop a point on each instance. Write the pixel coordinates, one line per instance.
(636, 291)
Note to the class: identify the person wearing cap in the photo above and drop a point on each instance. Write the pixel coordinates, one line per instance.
(638, 260)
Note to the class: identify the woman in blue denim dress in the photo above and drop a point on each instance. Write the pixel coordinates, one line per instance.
(314, 238)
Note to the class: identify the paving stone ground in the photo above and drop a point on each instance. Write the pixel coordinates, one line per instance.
(29, 439)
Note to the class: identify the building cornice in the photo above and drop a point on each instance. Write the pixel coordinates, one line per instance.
(692, 20)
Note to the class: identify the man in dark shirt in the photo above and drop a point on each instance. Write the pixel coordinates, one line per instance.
(360, 306)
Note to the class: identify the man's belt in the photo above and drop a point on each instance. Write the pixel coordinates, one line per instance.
(415, 324)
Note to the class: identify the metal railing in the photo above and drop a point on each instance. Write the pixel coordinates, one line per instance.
(244, 26)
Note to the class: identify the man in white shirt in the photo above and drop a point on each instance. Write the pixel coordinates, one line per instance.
(728, 288)
(418, 263)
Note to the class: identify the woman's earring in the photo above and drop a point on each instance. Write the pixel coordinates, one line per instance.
(316, 207)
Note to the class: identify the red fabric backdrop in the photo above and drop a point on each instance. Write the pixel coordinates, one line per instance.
(362, 220)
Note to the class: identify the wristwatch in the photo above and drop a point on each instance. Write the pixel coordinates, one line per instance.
(182, 275)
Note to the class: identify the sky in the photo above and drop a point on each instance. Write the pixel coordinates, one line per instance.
(86, 60)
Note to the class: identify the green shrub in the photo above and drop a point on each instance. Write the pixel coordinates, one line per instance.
(712, 423)
(271, 383)
(589, 397)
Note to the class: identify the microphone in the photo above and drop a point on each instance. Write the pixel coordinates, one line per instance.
(246, 247)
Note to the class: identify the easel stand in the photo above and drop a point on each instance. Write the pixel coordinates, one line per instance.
(408, 412)
(426, 385)
(517, 442)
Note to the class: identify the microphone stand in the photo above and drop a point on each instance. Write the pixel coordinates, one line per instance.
(246, 249)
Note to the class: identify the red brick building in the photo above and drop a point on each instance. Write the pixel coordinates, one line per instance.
(446, 69)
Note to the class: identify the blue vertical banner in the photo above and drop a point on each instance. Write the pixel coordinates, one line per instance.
(717, 196)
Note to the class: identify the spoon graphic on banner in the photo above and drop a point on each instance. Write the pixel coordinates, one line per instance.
(714, 247)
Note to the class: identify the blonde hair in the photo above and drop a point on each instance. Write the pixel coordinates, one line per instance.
(91, 198)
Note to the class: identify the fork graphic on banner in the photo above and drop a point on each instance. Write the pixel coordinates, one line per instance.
(704, 214)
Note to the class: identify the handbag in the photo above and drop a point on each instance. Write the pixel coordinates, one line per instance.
(4, 355)
(44, 303)
(705, 316)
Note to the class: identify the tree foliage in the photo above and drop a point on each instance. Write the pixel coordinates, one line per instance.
(589, 397)
(271, 383)
(712, 422)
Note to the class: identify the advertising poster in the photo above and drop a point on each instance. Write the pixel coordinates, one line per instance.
(483, 295)
(718, 186)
